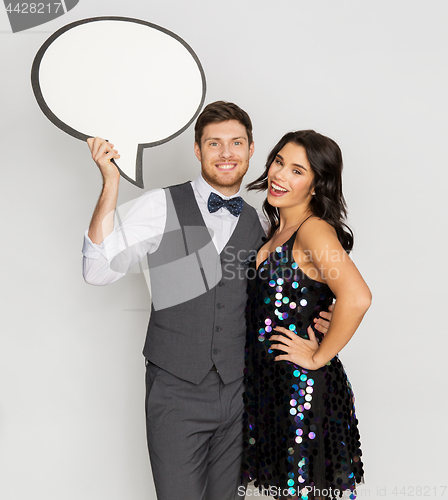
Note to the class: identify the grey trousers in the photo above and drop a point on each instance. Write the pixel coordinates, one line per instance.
(194, 436)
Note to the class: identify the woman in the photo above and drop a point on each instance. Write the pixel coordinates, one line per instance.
(301, 436)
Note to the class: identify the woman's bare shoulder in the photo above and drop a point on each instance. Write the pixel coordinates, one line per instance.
(316, 228)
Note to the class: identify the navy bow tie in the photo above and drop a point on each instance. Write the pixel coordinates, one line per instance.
(234, 205)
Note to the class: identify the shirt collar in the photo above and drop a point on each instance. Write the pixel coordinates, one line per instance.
(204, 189)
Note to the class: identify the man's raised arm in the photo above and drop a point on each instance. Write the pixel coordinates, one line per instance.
(139, 232)
(102, 223)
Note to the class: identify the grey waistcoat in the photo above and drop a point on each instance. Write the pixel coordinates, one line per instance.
(199, 296)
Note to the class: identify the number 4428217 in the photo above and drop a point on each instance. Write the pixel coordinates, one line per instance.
(33, 8)
(419, 491)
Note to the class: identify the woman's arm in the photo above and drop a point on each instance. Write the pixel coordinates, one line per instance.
(319, 242)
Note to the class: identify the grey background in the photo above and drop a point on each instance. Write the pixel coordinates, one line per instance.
(371, 75)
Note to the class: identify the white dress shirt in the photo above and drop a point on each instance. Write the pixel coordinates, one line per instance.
(143, 228)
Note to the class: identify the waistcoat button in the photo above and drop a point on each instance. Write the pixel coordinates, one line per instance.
(218, 329)
(215, 351)
(219, 305)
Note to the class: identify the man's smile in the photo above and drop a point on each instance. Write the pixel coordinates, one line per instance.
(225, 166)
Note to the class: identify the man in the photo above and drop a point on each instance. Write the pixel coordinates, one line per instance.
(199, 238)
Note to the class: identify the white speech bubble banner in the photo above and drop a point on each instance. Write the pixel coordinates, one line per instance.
(126, 80)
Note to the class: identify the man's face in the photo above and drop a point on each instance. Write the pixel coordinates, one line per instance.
(224, 154)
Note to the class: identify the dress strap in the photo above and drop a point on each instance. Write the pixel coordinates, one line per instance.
(303, 222)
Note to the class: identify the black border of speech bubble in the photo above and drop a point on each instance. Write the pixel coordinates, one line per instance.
(71, 131)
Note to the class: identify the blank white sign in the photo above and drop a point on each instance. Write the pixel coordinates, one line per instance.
(125, 80)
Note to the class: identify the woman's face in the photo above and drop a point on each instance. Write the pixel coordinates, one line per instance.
(290, 178)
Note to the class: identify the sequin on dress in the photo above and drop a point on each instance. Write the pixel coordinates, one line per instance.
(301, 438)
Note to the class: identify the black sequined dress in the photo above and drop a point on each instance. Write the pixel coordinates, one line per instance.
(300, 429)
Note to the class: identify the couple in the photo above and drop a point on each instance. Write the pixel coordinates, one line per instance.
(299, 421)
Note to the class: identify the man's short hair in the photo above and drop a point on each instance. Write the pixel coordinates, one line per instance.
(221, 111)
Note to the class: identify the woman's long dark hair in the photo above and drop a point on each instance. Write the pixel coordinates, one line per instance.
(328, 203)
